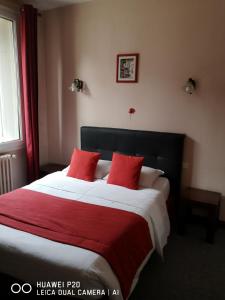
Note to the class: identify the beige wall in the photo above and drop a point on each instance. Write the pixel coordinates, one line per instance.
(176, 40)
(13, 4)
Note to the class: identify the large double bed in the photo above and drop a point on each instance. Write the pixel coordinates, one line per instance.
(33, 258)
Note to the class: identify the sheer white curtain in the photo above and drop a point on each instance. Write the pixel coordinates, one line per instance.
(9, 98)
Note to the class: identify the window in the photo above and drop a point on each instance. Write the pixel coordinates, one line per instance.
(10, 120)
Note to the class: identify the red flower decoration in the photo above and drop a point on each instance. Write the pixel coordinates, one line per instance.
(131, 110)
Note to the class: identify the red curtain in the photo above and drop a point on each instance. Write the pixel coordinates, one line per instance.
(29, 79)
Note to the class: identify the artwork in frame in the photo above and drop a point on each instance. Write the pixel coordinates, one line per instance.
(127, 67)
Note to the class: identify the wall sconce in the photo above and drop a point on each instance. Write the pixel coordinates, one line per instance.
(190, 86)
(77, 85)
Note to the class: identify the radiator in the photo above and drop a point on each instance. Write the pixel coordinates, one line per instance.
(6, 183)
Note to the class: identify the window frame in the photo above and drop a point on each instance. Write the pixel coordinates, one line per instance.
(11, 15)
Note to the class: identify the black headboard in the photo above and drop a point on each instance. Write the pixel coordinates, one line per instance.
(161, 150)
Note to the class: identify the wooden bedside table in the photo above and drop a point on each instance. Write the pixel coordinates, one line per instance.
(50, 168)
(206, 201)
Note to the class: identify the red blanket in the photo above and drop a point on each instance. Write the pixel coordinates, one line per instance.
(121, 237)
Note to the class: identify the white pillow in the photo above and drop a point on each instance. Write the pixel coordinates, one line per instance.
(102, 169)
(148, 176)
(66, 170)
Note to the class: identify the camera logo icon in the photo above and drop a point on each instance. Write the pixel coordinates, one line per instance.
(25, 288)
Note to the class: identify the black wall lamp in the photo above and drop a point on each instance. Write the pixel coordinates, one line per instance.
(190, 86)
(77, 85)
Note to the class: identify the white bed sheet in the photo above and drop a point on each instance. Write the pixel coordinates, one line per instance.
(39, 259)
(162, 184)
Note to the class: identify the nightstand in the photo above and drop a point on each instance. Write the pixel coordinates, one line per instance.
(50, 168)
(204, 201)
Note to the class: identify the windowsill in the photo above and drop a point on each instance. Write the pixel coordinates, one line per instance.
(11, 146)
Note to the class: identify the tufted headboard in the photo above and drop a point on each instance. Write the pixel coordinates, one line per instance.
(161, 150)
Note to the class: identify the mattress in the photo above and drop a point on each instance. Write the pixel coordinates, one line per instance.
(32, 258)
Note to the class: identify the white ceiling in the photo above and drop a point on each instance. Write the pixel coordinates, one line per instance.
(50, 4)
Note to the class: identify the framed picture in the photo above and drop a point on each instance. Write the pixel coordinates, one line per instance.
(127, 67)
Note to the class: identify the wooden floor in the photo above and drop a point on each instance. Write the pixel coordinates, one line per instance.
(5, 285)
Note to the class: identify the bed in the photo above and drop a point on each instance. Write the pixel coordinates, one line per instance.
(33, 258)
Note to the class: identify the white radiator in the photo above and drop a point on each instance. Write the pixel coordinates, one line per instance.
(6, 183)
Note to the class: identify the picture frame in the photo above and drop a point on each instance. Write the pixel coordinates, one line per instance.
(127, 68)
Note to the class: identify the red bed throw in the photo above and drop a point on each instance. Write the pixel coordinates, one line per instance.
(121, 237)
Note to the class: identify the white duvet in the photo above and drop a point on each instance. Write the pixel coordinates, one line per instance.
(32, 258)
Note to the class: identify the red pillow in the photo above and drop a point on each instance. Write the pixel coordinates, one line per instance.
(125, 170)
(83, 164)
